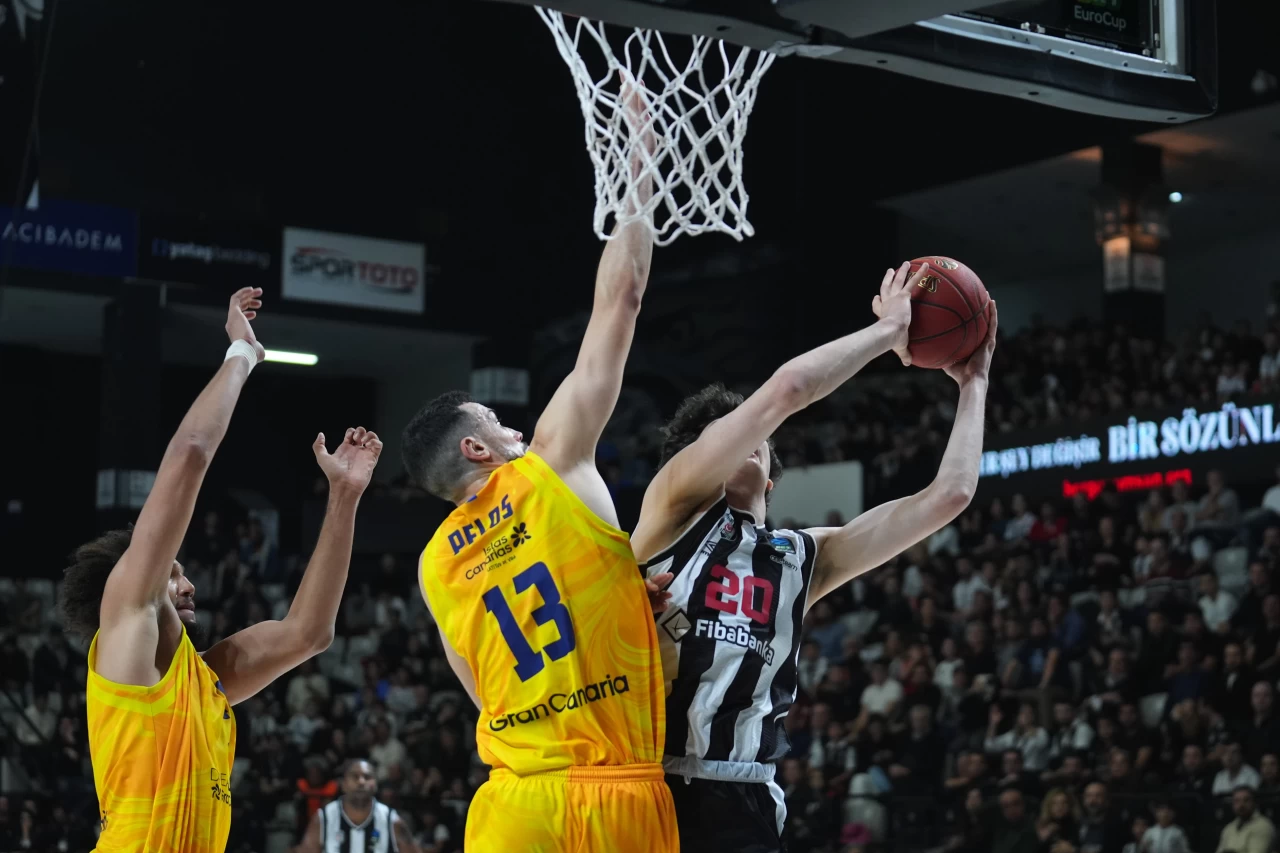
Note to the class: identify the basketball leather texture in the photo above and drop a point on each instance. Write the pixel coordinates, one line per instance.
(949, 313)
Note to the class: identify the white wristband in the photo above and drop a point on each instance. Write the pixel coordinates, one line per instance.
(244, 350)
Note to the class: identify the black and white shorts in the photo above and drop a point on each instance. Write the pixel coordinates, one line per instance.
(722, 814)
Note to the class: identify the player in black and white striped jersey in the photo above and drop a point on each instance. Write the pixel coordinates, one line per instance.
(356, 822)
(730, 630)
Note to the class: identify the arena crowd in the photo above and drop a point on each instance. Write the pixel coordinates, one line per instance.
(1082, 677)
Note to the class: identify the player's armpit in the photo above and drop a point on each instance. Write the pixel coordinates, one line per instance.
(880, 534)
(251, 659)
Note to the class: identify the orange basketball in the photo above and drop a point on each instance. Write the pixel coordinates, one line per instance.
(949, 313)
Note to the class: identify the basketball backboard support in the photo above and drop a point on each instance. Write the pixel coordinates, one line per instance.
(1145, 60)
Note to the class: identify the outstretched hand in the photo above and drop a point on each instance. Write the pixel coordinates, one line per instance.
(893, 303)
(656, 586)
(350, 466)
(977, 365)
(245, 303)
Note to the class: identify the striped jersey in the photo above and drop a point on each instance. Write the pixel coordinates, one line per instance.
(338, 834)
(730, 639)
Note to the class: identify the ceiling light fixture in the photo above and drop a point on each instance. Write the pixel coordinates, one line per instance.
(285, 357)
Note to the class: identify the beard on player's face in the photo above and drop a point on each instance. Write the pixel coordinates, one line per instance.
(196, 629)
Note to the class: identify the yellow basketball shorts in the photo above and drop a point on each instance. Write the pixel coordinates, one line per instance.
(577, 810)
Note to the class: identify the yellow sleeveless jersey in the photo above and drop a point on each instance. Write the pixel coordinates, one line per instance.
(162, 758)
(547, 605)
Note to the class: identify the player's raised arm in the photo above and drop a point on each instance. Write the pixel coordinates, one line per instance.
(696, 475)
(570, 426)
(882, 533)
(249, 660)
(138, 583)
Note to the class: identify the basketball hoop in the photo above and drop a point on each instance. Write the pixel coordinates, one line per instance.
(696, 123)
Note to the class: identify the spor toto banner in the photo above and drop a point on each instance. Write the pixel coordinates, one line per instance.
(1241, 438)
(362, 272)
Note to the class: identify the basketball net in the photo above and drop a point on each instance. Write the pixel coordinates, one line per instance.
(652, 118)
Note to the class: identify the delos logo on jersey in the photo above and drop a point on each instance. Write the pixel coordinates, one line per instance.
(481, 523)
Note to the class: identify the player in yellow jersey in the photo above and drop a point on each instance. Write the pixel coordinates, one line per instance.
(543, 610)
(161, 731)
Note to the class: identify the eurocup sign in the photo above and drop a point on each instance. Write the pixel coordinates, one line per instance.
(1182, 437)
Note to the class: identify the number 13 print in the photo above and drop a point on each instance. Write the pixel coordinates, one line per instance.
(529, 661)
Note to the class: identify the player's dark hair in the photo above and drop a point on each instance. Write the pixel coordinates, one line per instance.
(84, 581)
(350, 763)
(429, 444)
(695, 414)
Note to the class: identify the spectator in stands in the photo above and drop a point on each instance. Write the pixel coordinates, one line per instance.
(921, 757)
(1023, 519)
(1140, 826)
(1108, 629)
(1233, 685)
(1249, 616)
(1191, 778)
(1188, 680)
(1159, 648)
(1165, 836)
(1115, 685)
(1099, 831)
(1235, 773)
(1071, 732)
(823, 628)
(965, 588)
(1048, 527)
(1250, 832)
(1271, 498)
(1217, 605)
(1261, 732)
(1122, 777)
(1134, 738)
(1269, 363)
(883, 694)
(386, 751)
(979, 658)
(37, 724)
(972, 774)
(1015, 832)
(1026, 736)
(1219, 506)
(1059, 822)
(812, 667)
(1269, 774)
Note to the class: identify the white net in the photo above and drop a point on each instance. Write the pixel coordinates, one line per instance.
(654, 120)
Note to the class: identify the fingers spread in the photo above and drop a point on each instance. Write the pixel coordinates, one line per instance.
(900, 277)
(919, 274)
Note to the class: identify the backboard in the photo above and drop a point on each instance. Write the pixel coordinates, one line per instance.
(1146, 60)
